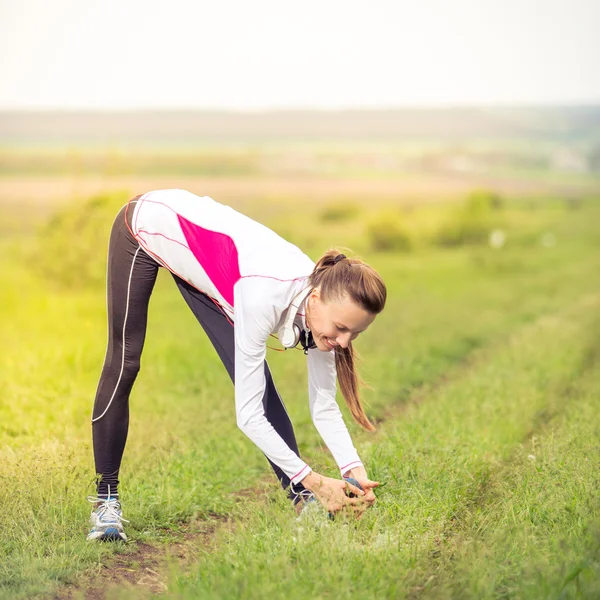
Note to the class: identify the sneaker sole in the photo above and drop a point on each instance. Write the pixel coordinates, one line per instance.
(112, 534)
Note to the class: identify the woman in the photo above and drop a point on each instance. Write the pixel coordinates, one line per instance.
(229, 269)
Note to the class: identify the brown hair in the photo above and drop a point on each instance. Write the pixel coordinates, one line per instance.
(338, 277)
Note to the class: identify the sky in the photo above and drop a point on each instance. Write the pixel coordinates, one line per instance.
(266, 54)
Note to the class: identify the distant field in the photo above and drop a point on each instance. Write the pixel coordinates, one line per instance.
(46, 191)
(368, 170)
(566, 124)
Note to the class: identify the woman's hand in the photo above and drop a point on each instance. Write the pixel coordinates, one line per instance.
(332, 493)
(360, 474)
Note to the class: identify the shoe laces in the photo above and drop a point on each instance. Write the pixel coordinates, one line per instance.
(108, 507)
(302, 495)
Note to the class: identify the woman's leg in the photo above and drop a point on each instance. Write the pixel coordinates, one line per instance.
(131, 275)
(220, 333)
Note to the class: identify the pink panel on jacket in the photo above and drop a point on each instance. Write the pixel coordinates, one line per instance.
(217, 255)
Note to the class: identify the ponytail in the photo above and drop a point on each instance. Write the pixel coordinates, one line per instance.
(339, 277)
(349, 384)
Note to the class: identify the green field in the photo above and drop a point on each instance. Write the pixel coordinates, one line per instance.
(485, 376)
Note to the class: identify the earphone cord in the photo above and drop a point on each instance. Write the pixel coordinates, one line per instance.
(281, 349)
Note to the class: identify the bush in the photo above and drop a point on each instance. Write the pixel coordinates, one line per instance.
(340, 211)
(484, 201)
(71, 248)
(472, 222)
(573, 202)
(387, 233)
(463, 228)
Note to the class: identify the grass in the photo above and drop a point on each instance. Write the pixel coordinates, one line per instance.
(439, 461)
(480, 359)
(537, 518)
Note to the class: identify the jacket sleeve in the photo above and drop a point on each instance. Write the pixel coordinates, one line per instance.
(255, 318)
(325, 412)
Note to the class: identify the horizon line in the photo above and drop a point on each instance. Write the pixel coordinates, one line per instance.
(309, 109)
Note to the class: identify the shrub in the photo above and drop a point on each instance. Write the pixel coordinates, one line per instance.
(473, 221)
(340, 211)
(386, 232)
(71, 247)
(484, 201)
(573, 202)
(463, 228)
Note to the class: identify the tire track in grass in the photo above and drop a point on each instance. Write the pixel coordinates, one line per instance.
(486, 493)
(476, 357)
(547, 504)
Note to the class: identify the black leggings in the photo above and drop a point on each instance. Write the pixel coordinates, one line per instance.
(131, 275)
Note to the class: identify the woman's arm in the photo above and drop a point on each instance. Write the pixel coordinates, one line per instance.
(325, 412)
(328, 420)
(254, 320)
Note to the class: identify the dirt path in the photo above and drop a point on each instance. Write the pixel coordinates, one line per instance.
(141, 566)
(146, 567)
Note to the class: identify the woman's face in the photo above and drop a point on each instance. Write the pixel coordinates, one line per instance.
(335, 323)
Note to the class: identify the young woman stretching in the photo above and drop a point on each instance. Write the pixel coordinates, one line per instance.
(233, 270)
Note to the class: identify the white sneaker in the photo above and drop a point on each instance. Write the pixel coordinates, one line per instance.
(106, 520)
(307, 506)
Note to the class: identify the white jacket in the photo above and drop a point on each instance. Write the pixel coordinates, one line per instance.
(253, 274)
